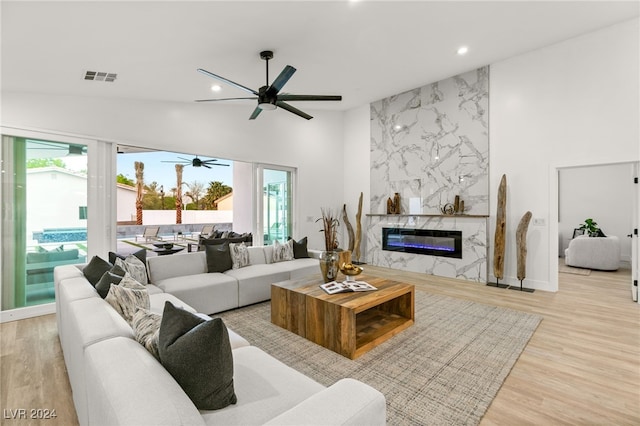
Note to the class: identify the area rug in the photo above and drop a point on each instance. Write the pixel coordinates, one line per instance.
(562, 268)
(444, 370)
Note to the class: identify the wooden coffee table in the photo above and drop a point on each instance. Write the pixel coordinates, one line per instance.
(347, 323)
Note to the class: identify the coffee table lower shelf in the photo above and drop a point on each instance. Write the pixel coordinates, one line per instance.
(347, 323)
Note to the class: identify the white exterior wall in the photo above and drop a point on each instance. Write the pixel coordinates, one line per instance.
(126, 204)
(53, 199)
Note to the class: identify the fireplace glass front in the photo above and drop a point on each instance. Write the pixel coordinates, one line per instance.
(432, 242)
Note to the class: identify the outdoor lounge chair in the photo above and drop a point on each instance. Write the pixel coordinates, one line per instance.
(150, 233)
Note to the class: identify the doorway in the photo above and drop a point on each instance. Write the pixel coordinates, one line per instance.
(605, 193)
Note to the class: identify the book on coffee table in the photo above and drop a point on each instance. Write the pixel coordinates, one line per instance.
(333, 287)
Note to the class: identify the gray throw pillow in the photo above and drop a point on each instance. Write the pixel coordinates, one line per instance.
(95, 269)
(140, 254)
(282, 252)
(218, 258)
(300, 249)
(104, 285)
(197, 353)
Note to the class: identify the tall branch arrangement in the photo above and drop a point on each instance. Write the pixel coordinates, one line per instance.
(330, 228)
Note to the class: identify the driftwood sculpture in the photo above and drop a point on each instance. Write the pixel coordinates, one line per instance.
(501, 228)
(521, 242)
(356, 244)
(393, 206)
(345, 220)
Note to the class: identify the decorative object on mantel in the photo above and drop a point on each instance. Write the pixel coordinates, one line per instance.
(456, 208)
(393, 206)
(329, 257)
(521, 242)
(501, 228)
(447, 209)
(358, 238)
(345, 220)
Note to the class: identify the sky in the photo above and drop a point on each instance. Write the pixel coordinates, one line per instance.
(155, 169)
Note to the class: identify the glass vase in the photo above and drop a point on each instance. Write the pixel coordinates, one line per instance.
(329, 265)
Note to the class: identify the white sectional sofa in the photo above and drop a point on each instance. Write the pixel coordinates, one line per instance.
(116, 381)
(186, 277)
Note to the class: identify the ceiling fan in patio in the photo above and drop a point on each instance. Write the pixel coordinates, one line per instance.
(197, 162)
(269, 96)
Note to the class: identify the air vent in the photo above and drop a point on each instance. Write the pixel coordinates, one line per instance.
(101, 76)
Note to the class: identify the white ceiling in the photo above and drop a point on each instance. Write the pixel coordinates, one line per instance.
(363, 50)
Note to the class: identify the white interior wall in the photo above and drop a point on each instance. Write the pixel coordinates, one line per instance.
(357, 176)
(569, 104)
(314, 147)
(243, 217)
(603, 193)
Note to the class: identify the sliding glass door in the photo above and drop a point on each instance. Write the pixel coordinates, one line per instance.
(44, 216)
(276, 203)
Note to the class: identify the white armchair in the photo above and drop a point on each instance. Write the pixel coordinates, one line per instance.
(594, 253)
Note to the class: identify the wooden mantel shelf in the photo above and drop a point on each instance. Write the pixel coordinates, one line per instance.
(432, 215)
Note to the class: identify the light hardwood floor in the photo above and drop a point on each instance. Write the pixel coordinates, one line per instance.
(582, 365)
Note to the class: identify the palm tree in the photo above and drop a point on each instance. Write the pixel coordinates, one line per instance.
(179, 169)
(139, 166)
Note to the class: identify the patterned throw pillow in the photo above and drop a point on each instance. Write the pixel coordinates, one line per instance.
(135, 267)
(282, 252)
(127, 297)
(239, 255)
(146, 327)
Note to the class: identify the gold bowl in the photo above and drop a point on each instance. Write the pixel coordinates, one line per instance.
(350, 269)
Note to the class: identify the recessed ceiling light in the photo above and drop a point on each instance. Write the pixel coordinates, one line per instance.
(216, 88)
(462, 50)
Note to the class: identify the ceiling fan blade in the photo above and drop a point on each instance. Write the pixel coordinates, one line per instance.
(296, 111)
(222, 165)
(288, 97)
(226, 80)
(204, 165)
(177, 162)
(255, 113)
(281, 80)
(224, 99)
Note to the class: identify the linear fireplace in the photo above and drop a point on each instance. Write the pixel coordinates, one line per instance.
(423, 241)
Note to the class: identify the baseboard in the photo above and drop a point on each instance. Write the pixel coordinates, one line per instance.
(27, 312)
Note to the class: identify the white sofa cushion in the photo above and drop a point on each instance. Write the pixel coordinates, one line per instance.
(176, 265)
(265, 388)
(128, 386)
(157, 303)
(254, 282)
(299, 268)
(205, 292)
(256, 255)
(90, 321)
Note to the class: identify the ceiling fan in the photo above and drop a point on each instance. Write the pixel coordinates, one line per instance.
(269, 96)
(197, 162)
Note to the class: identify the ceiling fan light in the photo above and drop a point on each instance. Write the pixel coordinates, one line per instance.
(266, 106)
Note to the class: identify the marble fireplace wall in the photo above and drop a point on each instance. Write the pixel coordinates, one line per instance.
(431, 144)
(472, 266)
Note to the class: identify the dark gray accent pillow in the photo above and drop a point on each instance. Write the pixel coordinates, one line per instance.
(300, 248)
(218, 258)
(197, 353)
(95, 269)
(108, 278)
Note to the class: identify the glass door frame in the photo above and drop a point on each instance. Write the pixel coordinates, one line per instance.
(101, 195)
(258, 228)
